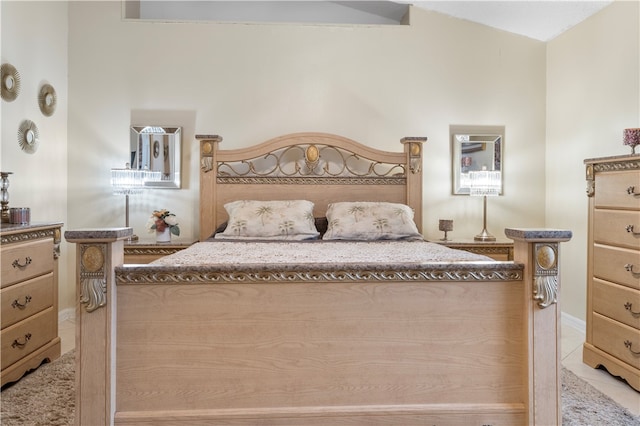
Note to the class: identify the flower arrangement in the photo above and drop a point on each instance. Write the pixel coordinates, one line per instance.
(163, 219)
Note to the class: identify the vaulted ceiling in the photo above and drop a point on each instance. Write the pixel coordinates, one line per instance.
(539, 20)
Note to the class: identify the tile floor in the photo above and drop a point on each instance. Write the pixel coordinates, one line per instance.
(572, 340)
(616, 389)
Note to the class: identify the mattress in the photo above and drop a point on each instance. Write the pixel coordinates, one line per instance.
(316, 253)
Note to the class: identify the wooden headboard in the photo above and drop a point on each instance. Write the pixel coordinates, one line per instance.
(319, 167)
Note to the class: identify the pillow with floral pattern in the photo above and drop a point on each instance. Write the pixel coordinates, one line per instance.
(369, 220)
(269, 220)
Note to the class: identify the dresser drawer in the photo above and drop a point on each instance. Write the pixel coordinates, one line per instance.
(611, 190)
(617, 302)
(619, 228)
(26, 260)
(20, 339)
(617, 339)
(616, 264)
(25, 299)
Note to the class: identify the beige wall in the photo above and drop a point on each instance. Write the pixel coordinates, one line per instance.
(34, 40)
(593, 93)
(248, 83)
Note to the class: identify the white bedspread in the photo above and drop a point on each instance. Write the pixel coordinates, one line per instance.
(316, 253)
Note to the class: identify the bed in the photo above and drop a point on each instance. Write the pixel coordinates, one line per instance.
(329, 323)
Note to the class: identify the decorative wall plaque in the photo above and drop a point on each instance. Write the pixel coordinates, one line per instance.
(28, 136)
(9, 82)
(47, 100)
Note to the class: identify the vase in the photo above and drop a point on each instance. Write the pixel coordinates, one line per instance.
(164, 236)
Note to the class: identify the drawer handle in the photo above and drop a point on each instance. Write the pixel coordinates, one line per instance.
(19, 305)
(629, 268)
(16, 263)
(629, 229)
(628, 344)
(627, 306)
(17, 344)
(632, 191)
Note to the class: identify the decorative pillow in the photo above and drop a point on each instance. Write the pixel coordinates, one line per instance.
(269, 220)
(370, 221)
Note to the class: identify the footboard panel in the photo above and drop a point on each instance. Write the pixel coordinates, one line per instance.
(425, 344)
(347, 350)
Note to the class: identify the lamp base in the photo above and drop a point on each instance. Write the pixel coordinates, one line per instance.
(484, 236)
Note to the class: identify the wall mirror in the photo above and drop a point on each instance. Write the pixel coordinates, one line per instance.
(157, 149)
(473, 151)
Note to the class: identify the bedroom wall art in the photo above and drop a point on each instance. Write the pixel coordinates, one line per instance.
(47, 100)
(28, 136)
(10, 78)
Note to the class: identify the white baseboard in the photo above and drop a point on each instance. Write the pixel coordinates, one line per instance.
(66, 314)
(574, 322)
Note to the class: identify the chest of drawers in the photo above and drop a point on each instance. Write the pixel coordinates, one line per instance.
(28, 297)
(613, 267)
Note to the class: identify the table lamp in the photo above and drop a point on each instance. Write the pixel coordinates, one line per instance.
(482, 184)
(128, 181)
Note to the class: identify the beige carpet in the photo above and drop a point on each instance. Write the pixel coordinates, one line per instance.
(45, 397)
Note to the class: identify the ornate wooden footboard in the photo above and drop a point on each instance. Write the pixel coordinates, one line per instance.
(455, 344)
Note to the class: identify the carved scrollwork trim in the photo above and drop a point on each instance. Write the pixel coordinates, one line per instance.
(545, 280)
(156, 251)
(93, 294)
(93, 276)
(309, 160)
(57, 238)
(206, 151)
(546, 291)
(615, 166)
(29, 235)
(204, 277)
(313, 181)
(206, 164)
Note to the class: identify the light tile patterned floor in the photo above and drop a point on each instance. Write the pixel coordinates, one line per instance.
(571, 345)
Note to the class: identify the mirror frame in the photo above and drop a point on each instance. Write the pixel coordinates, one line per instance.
(174, 139)
(479, 142)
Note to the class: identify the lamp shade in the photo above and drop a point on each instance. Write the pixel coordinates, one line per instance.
(485, 182)
(128, 181)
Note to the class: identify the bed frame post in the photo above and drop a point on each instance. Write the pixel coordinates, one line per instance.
(98, 251)
(208, 170)
(413, 150)
(539, 251)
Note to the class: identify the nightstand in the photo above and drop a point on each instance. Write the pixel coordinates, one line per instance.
(498, 250)
(145, 251)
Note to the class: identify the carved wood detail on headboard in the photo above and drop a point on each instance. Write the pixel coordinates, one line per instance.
(318, 167)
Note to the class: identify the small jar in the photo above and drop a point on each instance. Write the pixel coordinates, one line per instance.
(19, 215)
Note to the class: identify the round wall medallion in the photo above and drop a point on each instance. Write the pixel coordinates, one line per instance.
(9, 82)
(47, 99)
(28, 136)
